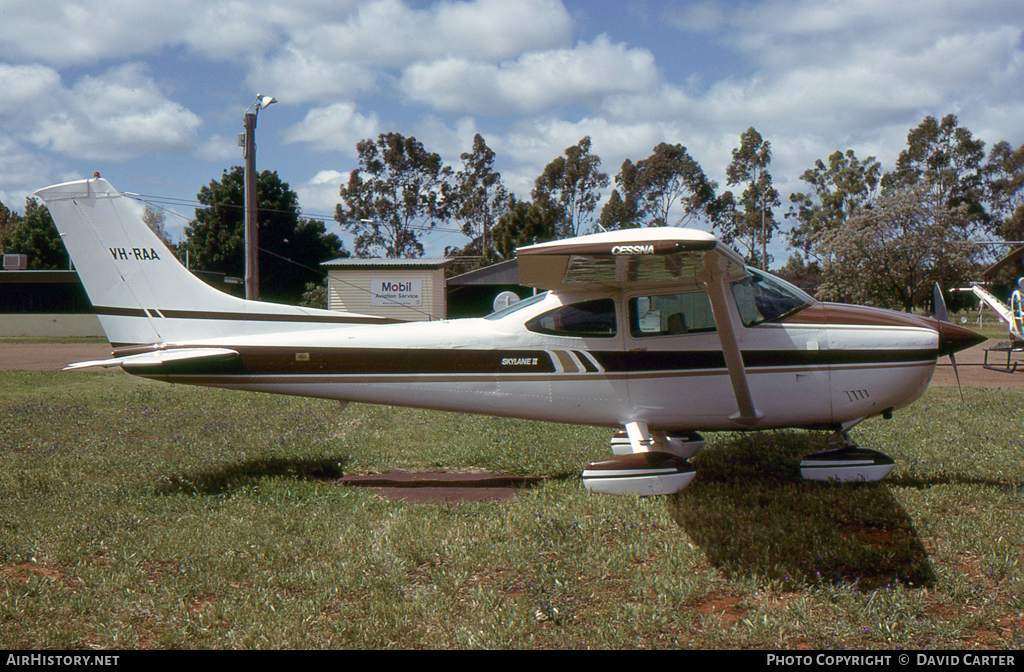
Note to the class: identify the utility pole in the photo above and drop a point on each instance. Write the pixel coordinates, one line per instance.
(252, 259)
(248, 142)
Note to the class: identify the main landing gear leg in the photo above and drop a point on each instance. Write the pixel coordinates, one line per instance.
(845, 461)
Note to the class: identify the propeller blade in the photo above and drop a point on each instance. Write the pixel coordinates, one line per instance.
(941, 314)
(939, 304)
(957, 374)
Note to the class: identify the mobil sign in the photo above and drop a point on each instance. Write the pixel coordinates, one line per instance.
(396, 292)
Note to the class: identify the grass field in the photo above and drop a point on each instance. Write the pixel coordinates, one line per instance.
(140, 515)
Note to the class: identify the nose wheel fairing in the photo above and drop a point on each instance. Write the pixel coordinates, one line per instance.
(850, 464)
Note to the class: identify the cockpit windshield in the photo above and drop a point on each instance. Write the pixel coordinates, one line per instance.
(761, 297)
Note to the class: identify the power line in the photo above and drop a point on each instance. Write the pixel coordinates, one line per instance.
(151, 199)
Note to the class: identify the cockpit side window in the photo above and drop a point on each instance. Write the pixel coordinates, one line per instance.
(670, 315)
(585, 319)
(764, 298)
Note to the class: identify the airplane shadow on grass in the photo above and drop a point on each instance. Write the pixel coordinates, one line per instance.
(236, 475)
(753, 515)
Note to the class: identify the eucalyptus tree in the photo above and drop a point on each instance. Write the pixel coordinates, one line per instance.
(156, 220)
(8, 220)
(753, 226)
(397, 193)
(893, 253)
(523, 223)
(571, 186)
(836, 192)
(1004, 184)
(478, 197)
(668, 188)
(946, 161)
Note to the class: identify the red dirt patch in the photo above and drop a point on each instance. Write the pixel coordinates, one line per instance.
(433, 487)
(23, 571)
(723, 606)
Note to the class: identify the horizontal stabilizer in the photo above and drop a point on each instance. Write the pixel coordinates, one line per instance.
(157, 358)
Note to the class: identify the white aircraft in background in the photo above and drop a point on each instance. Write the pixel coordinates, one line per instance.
(662, 332)
(1012, 315)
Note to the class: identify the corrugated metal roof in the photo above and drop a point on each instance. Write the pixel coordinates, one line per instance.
(387, 263)
(504, 273)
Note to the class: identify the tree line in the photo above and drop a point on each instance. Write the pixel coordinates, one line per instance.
(860, 235)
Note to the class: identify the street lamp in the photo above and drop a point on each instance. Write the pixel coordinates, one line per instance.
(248, 142)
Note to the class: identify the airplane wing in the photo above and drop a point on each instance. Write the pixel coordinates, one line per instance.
(650, 257)
(157, 358)
(629, 257)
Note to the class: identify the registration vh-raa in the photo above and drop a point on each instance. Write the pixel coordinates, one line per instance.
(661, 333)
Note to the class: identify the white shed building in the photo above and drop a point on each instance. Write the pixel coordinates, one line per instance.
(403, 289)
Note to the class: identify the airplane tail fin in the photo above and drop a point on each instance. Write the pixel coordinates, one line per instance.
(140, 291)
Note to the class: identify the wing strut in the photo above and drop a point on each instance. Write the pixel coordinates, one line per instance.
(714, 276)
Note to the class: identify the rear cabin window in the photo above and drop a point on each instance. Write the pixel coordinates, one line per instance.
(587, 318)
(670, 315)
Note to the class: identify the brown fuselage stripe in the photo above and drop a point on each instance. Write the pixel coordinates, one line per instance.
(385, 361)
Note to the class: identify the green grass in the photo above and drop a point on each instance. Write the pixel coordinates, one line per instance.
(140, 515)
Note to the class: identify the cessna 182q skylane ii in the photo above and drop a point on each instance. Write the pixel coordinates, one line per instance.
(663, 332)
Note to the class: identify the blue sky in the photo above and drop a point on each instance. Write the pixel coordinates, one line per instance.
(152, 95)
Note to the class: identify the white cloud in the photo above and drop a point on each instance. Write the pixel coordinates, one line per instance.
(533, 82)
(297, 77)
(61, 33)
(64, 33)
(336, 127)
(390, 33)
(116, 115)
(22, 171)
(812, 76)
(838, 72)
(219, 149)
(320, 195)
(23, 85)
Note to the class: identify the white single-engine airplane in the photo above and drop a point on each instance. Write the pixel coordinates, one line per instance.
(663, 332)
